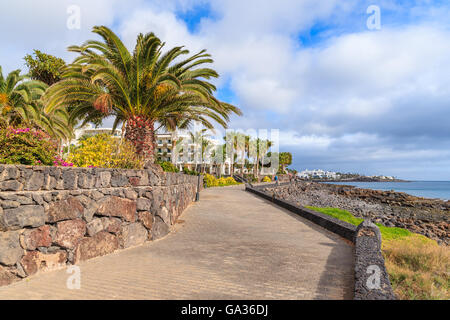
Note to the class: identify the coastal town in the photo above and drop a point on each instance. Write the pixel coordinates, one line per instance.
(322, 175)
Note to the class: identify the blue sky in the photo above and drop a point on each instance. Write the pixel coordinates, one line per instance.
(344, 98)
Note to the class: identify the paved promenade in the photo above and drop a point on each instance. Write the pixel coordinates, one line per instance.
(230, 245)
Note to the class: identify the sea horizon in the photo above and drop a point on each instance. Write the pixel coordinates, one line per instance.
(431, 189)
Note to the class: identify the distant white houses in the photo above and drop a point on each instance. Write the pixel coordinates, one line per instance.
(383, 177)
(321, 174)
(317, 174)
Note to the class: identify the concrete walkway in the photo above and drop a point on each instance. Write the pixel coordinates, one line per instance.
(230, 245)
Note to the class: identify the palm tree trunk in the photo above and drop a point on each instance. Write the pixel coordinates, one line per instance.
(172, 155)
(257, 169)
(141, 133)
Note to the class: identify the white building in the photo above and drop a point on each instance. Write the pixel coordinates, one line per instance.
(317, 174)
(186, 155)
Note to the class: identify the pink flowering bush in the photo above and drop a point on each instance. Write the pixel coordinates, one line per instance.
(27, 146)
(61, 163)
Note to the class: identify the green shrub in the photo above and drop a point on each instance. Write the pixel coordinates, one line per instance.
(26, 146)
(168, 166)
(190, 172)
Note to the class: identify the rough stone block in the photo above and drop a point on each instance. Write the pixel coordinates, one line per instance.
(10, 249)
(143, 204)
(11, 185)
(119, 180)
(146, 218)
(130, 194)
(90, 206)
(94, 227)
(9, 173)
(103, 179)
(68, 209)
(34, 261)
(112, 225)
(69, 233)
(35, 182)
(34, 238)
(163, 212)
(8, 204)
(159, 228)
(132, 235)
(70, 179)
(86, 181)
(24, 199)
(6, 277)
(38, 198)
(23, 216)
(100, 244)
(118, 207)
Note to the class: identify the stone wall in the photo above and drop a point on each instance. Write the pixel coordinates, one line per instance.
(53, 216)
(371, 277)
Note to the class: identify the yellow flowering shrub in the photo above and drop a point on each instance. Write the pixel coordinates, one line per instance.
(267, 179)
(212, 181)
(105, 151)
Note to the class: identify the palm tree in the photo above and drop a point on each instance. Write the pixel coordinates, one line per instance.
(242, 146)
(140, 89)
(218, 157)
(231, 147)
(258, 148)
(202, 139)
(21, 104)
(18, 95)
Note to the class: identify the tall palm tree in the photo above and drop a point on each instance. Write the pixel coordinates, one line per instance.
(258, 148)
(242, 146)
(201, 138)
(142, 89)
(218, 157)
(230, 139)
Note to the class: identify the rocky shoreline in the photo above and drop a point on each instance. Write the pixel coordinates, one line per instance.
(429, 217)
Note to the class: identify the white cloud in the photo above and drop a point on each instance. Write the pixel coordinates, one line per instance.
(368, 93)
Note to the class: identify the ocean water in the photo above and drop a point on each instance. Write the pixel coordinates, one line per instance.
(426, 189)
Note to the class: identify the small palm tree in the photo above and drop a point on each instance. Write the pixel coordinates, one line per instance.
(21, 105)
(18, 95)
(142, 89)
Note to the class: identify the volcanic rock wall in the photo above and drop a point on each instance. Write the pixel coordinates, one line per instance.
(53, 216)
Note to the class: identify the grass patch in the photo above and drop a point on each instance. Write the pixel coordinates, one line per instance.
(418, 267)
(339, 214)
